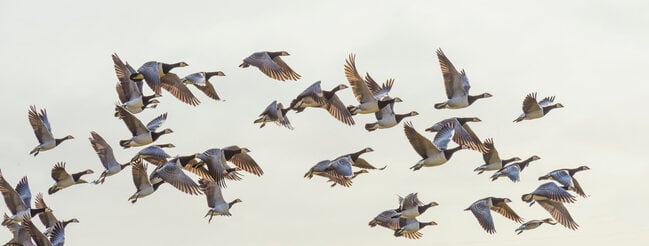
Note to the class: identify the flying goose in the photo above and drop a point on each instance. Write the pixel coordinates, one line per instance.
(275, 112)
(533, 224)
(62, 179)
(386, 118)
(315, 97)
(106, 156)
(368, 102)
(566, 178)
(202, 81)
(512, 171)
(47, 217)
(215, 161)
(475, 143)
(338, 170)
(141, 181)
(456, 84)
(154, 154)
(534, 110)
(386, 219)
(43, 131)
(411, 228)
(57, 238)
(360, 162)
(410, 207)
(551, 197)
(239, 157)
(142, 135)
(129, 88)
(172, 173)
(481, 209)
(153, 71)
(271, 64)
(215, 200)
(18, 201)
(492, 159)
(20, 236)
(437, 152)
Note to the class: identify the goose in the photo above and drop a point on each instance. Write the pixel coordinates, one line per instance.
(153, 71)
(129, 88)
(141, 181)
(533, 224)
(481, 210)
(142, 135)
(215, 200)
(512, 171)
(364, 95)
(154, 154)
(196, 166)
(338, 170)
(315, 97)
(456, 84)
(47, 217)
(551, 197)
(271, 64)
(239, 157)
(43, 131)
(437, 152)
(360, 162)
(275, 112)
(215, 161)
(174, 85)
(62, 179)
(57, 238)
(411, 228)
(411, 207)
(20, 235)
(532, 109)
(385, 219)
(566, 178)
(171, 172)
(202, 81)
(475, 143)
(492, 159)
(106, 156)
(387, 118)
(18, 201)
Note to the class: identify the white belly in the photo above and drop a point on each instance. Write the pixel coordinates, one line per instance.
(458, 102)
(435, 160)
(141, 139)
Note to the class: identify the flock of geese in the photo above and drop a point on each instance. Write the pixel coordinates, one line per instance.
(210, 169)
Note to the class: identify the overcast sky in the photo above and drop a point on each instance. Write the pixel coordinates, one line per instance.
(589, 54)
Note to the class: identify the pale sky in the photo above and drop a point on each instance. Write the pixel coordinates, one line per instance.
(589, 54)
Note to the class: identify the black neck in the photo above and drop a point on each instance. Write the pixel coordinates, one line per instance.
(34, 211)
(58, 141)
(423, 208)
(547, 109)
(208, 75)
(156, 185)
(77, 176)
(167, 67)
(184, 160)
(475, 97)
(449, 152)
(465, 120)
(274, 54)
(156, 135)
(508, 160)
(383, 103)
(400, 117)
